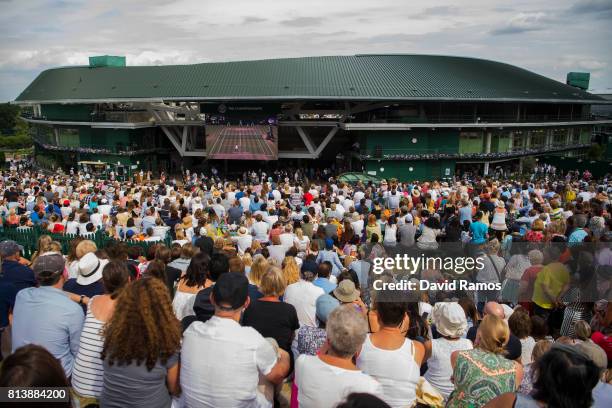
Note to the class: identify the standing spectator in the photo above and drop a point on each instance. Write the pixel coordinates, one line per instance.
(223, 360)
(141, 346)
(46, 316)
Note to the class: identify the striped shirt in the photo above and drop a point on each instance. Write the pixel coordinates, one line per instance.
(88, 372)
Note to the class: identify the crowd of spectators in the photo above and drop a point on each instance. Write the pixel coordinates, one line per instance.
(259, 291)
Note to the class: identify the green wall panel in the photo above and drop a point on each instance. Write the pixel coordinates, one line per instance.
(67, 112)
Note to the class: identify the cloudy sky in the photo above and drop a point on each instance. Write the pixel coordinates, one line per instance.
(551, 37)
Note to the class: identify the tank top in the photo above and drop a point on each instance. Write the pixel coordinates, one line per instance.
(183, 303)
(396, 370)
(439, 369)
(88, 371)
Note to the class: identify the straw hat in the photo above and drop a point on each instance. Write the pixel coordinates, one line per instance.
(186, 222)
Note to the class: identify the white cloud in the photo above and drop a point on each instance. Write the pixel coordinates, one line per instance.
(38, 34)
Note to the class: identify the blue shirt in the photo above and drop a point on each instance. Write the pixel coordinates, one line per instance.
(577, 236)
(331, 256)
(47, 317)
(19, 275)
(324, 284)
(465, 214)
(479, 232)
(7, 301)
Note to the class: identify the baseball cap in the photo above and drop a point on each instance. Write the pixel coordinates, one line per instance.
(49, 264)
(230, 291)
(9, 247)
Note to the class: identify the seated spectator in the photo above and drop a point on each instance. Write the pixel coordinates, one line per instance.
(46, 316)
(483, 373)
(322, 280)
(309, 338)
(268, 315)
(513, 346)
(520, 325)
(324, 380)
(88, 283)
(565, 378)
(140, 355)
(539, 349)
(33, 366)
(388, 356)
(13, 271)
(221, 360)
(87, 375)
(451, 324)
(188, 286)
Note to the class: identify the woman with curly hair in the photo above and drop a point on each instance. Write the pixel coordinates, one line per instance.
(141, 346)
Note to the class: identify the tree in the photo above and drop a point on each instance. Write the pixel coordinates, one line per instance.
(595, 152)
(8, 116)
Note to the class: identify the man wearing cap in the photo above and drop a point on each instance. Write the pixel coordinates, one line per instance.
(13, 271)
(46, 316)
(221, 360)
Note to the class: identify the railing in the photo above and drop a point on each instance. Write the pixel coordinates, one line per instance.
(485, 119)
(439, 154)
(119, 149)
(28, 238)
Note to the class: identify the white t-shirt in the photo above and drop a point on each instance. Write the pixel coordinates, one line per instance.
(260, 231)
(221, 362)
(303, 296)
(323, 385)
(286, 239)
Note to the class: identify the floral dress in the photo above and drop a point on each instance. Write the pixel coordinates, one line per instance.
(480, 376)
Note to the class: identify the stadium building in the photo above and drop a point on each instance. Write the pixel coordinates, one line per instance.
(405, 116)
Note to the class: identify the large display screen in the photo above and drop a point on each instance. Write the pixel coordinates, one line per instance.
(256, 142)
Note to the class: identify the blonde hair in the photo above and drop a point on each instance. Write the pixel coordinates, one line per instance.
(85, 247)
(180, 234)
(493, 334)
(273, 282)
(291, 270)
(260, 265)
(299, 233)
(582, 330)
(247, 260)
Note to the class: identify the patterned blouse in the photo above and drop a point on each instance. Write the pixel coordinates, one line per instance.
(310, 339)
(480, 376)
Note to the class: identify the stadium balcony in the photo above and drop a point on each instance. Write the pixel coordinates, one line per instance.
(437, 154)
(118, 149)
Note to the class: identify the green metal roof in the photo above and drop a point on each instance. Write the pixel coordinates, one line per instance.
(358, 77)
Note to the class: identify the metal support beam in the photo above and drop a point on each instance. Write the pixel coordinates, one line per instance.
(306, 139)
(326, 141)
(184, 138)
(174, 142)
